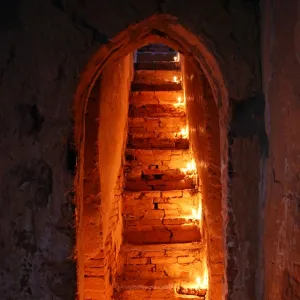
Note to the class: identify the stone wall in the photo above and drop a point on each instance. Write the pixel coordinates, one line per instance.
(205, 143)
(280, 53)
(45, 47)
(106, 130)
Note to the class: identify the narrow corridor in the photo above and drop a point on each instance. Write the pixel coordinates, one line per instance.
(161, 211)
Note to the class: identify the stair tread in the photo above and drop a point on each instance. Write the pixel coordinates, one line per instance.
(171, 193)
(155, 283)
(156, 126)
(153, 289)
(155, 247)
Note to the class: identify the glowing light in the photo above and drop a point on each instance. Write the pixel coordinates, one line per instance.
(175, 79)
(184, 132)
(180, 102)
(176, 58)
(197, 213)
(190, 167)
(202, 283)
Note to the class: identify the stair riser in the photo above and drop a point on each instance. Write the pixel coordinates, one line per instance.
(146, 206)
(156, 111)
(161, 234)
(156, 142)
(171, 66)
(158, 97)
(153, 270)
(156, 57)
(156, 48)
(158, 160)
(156, 76)
(159, 186)
(157, 125)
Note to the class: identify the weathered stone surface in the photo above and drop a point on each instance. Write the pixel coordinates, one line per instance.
(280, 190)
(45, 45)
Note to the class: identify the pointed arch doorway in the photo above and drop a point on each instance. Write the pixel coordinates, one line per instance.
(210, 149)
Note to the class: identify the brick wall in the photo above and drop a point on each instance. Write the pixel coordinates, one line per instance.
(105, 145)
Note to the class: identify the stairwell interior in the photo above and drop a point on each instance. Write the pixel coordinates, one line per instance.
(163, 253)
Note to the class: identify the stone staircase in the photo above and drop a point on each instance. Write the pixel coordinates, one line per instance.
(161, 239)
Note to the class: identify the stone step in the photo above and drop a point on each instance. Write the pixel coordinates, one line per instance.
(140, 98)
(156, 110)
(168, 86)
(161, 234)
(156, 56)
(156, 76)
(158, 170)
(176, 206)
(158, 126)
(151, 289)
(160, 261)
(163, 65)
(140, 142)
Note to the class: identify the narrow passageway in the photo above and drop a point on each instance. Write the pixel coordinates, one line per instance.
(162, 255)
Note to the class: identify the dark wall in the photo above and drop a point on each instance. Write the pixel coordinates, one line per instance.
(281, 61)
(44, 47)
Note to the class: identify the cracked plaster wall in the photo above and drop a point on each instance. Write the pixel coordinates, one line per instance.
(44, 47)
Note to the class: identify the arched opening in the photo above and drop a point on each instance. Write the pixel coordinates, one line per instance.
(100, 144)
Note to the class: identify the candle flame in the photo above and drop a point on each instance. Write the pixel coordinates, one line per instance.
(190, 167)
(176, 58)
(184, 132)
(202, 283)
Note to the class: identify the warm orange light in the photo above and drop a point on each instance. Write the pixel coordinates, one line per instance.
(179, 102)
(175, 79)
(184, 132)
(176, 58)
(202, 282)
(190, 167)
(203, 164)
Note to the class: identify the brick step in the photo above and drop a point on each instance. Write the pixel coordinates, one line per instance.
(156, 56)
(164, 181)
(141, 98)
(157, 170)
(159, 185)
(169, 86)
(160, 261)
(173, 206)
(161, 234)
(171, 66)
(158, 126)
(151, 289)
(140, 142)
(156, 76)
(158, 160)
(156, 110)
